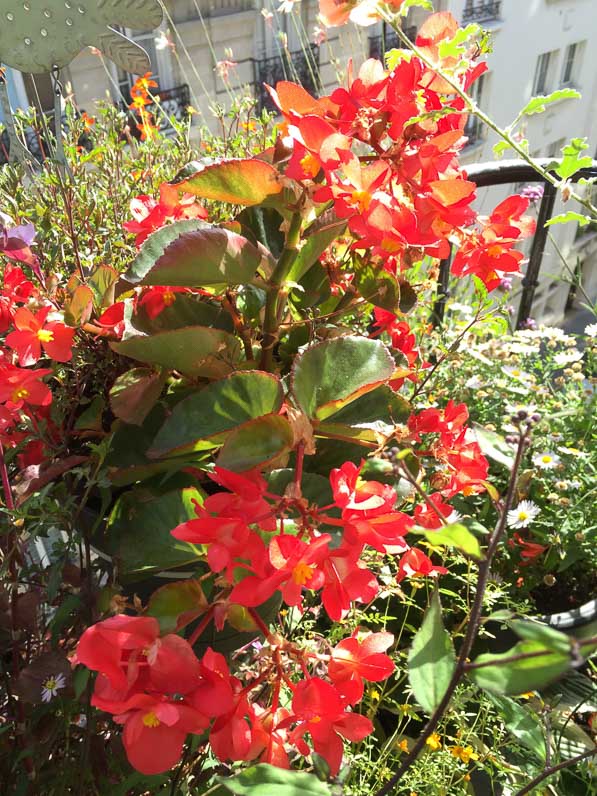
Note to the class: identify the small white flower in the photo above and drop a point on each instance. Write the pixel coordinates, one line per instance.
(523, 515)
(546, 461)
(591, 330)
(573, 452)
(473, 383)
(518, 374)
(51, 687)
(564, 358)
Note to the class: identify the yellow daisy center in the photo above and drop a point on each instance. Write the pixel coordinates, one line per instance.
(546, 459)
(522, 516)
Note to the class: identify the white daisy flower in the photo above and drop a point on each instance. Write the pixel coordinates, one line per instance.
(474, 383)
(591, 330)
(51, 686)
(523, 515)
(546, 461)
(517, 373)
(567, 357)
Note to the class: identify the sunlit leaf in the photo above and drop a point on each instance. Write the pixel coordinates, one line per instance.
(509, 673)
(240, 181)
(266, 780)
(176, 604)
(256, 443)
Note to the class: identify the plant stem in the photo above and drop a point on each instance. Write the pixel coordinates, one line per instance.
(471, 631)
(202, 625)
(276, 282)
(553, 769)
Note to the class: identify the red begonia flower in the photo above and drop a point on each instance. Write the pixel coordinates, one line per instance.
(353, 660)
(33, 333)
(415, 564)
(19, 387)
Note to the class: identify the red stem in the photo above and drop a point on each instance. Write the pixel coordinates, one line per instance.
(202, 625)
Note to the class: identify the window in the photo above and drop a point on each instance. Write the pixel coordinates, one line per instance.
(572, 64)
(544, 72)
(474, 126)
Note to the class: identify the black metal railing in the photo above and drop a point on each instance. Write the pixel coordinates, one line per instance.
(504, 173)
(299, 66)
(388, 40)
(481, 11)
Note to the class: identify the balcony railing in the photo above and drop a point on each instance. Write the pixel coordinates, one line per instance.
(299, 66)
(510, 172)
(481, 11)
(388, 40)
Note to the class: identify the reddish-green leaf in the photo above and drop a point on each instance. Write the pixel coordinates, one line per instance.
(134, 393)
(192, 350)
(78, 308)
(240, 181)
(256, 442)
(331, 374)
(176, 604)
(191, 254)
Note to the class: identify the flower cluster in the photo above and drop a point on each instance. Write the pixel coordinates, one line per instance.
(384, 152)
(161, 691)
(140, 100)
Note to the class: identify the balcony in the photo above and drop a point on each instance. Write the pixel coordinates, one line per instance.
(481, 11)
(388, 40)
(301, 66)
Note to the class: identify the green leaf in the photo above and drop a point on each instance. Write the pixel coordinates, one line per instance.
(548, 636)
(522, 724)
(79, 306)
(266, 780)
(176, 604)
(573, 159)
(216, 410)
(501, 675)
(318, 238)
(92, 418)
(193, 253)
(540, 103)
(138, 531)
(454, 535)
(192, 350)
(327, 376)
(256, 442)
(571, 215)
(371, 417)
(102, 282)
(406, 5)
(494, 446)
(377, 286)
(459, 43)
(185, 310)
(240, 181)
(431, 659)
(134, 394)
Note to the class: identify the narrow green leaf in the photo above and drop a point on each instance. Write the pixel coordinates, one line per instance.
(266, 780)
(522, 724)
(501, 675)
(331, 374)
(240, 181)
(256, 443)
(192, 254)
(216, 410)
(431, 659)
(571, 215)
(317, 241)
(454, 535)
(539, 104)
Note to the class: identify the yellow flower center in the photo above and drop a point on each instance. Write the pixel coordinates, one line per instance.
(546, 459)
(45, 336)
(19, 394)
(310, 165)
(151, 720)
(360, 199)
(494, 251)
(302, 573)
(522, 516)
(434, 741)
(50, 683)
(168, 297)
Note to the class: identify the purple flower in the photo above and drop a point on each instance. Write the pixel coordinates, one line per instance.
(505, 283)
(533, 192)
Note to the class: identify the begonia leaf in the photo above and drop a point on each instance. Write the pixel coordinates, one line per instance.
(241, 181)
(331, 374)
(317, 239)
(371, 417)
(454, 535)
(256, 443)
(138, 531)
(194, 254)
(216, 410)
(192, 350)
(79, 306)
(266, 780)
(134, 393)
(431, 659)
(176, 604)
(508, 673)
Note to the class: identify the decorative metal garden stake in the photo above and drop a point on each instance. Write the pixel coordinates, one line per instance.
(39, 36)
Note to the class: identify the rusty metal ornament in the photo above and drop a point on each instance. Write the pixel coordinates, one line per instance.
(40, 35)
